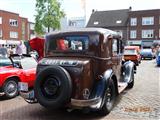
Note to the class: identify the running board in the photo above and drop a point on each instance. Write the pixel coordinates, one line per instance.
(121, 86)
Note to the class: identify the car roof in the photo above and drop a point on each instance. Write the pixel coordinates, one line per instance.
(85, 30)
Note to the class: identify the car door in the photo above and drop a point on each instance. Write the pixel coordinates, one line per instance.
(117, 57)
(29, 70)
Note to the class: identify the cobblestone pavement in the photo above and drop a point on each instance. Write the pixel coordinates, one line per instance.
(142, 102)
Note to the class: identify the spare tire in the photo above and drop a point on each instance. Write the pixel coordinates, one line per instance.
(53, 87)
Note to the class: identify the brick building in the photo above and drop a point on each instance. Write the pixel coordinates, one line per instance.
(144, 27)
(31, 31)
(13, 28)
(140, 28)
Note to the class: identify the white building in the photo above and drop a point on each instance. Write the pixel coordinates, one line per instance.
(76, 22)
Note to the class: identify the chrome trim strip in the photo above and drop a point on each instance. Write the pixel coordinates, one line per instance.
(85, 103)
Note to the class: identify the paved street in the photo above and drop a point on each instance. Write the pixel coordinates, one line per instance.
(141, 102)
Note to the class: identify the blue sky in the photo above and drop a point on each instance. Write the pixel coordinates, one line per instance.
(73, 8)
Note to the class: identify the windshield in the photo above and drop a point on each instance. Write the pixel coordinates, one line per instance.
(28, 63)
(25, 62)
(130, 52)
(4, 61)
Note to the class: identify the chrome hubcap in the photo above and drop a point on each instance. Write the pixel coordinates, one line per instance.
(51, 87)
(11, 88)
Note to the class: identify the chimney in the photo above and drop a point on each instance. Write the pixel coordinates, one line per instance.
(93, 10)
(130, 8)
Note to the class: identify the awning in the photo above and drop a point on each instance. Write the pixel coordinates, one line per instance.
(2, 42)
(134, 42)
(12, 42)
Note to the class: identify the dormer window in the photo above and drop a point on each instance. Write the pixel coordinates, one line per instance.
(96, 23)
(119, 21)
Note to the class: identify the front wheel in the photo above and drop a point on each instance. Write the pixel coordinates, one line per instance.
(109, 99)
(10, 88)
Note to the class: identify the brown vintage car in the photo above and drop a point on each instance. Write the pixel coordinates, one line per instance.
(82, 69)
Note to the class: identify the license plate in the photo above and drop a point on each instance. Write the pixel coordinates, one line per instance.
(22, 86)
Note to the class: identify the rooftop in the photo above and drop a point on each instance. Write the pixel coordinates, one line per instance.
(108, 18)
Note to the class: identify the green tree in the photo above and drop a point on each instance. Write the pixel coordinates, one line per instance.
(48, 15)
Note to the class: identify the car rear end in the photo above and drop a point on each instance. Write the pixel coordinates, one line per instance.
(131, 54)
(147, 53)
(69, 53)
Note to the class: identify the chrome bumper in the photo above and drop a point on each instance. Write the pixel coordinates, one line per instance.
(85, 103)
(2, 93)
(28, 96)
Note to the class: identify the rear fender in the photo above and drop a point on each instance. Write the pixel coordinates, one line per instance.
(102, 85)
(128, 68)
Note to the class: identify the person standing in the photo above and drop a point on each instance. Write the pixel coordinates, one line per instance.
(21, 49)
(3, 51)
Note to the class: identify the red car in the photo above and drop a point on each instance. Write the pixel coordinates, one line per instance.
(16, 69)
(132, 53)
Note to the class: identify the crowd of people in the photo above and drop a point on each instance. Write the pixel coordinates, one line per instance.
(16, 49)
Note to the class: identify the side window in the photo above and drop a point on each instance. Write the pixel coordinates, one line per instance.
(115, 47)
(120, 47)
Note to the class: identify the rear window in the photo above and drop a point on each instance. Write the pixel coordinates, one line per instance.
(146, 50)
(130, 52)
(67, 43)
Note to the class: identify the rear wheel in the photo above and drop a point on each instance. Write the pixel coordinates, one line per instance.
(109, 99)
(53, 87)
(10, 88)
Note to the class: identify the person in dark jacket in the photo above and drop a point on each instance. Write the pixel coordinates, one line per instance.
(3, 52)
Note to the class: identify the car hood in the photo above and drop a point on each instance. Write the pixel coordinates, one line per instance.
(38, 45)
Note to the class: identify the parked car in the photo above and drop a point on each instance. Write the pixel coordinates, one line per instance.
(132, 53)
(16, 69)
(147, 53)
(158, 59)
(81, 69)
